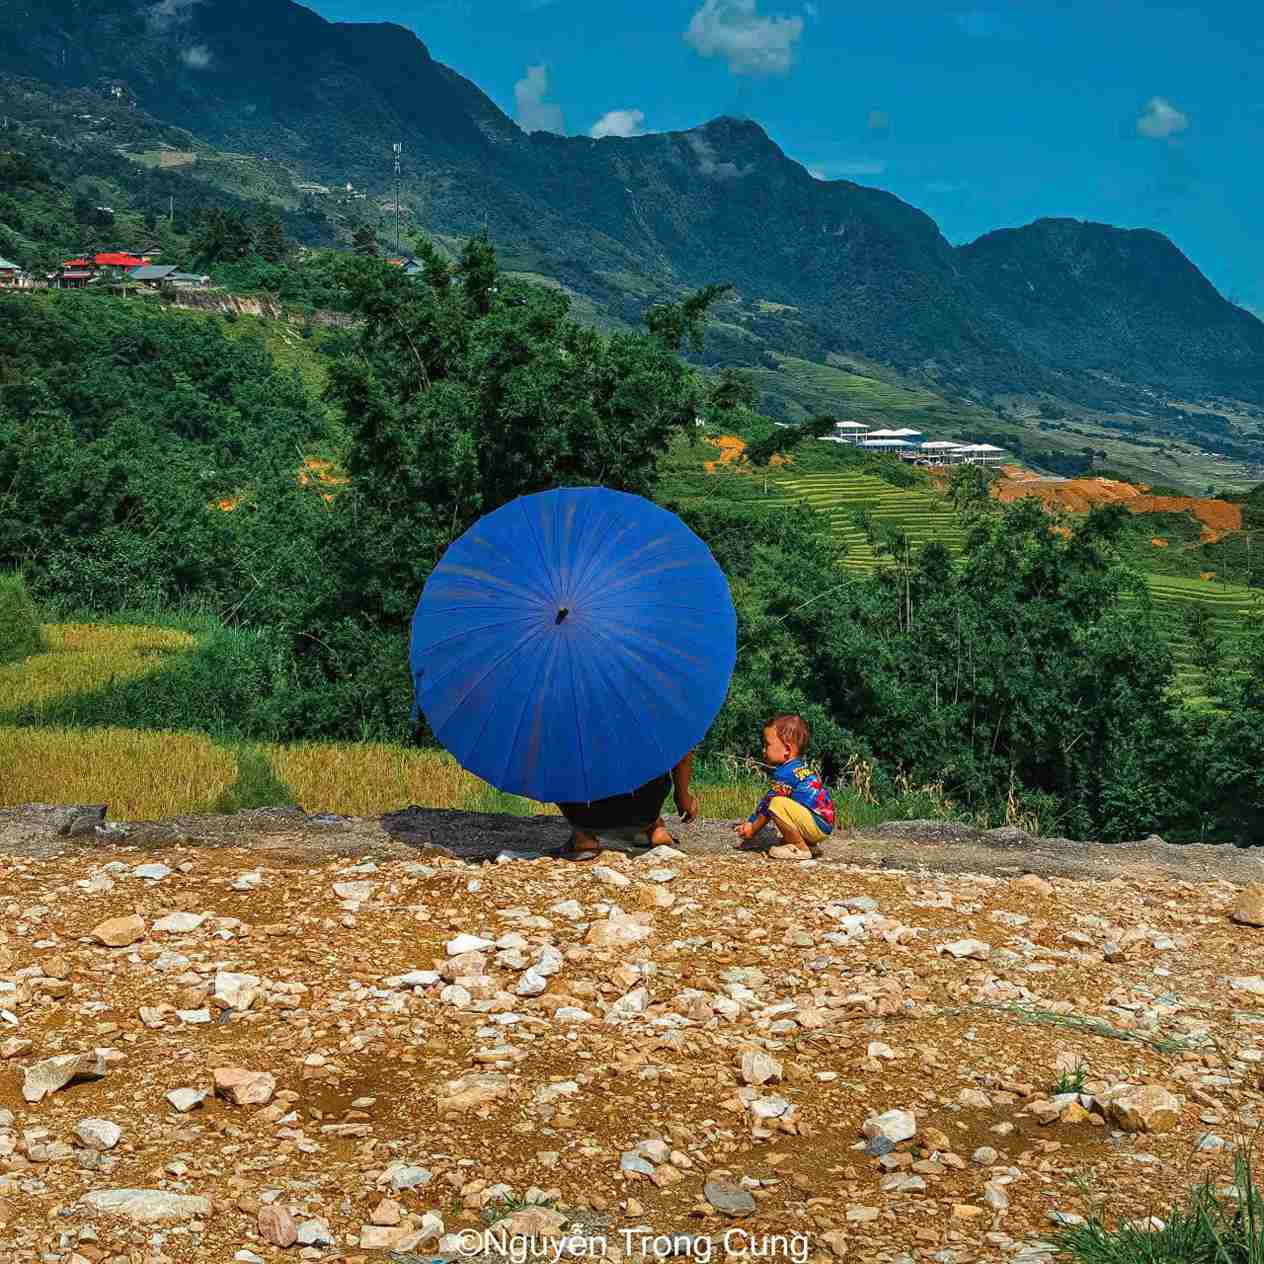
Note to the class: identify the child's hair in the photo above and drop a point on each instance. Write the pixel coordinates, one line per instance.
(792, 729)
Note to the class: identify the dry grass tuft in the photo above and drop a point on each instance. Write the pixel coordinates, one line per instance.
(141, 775)
(85, 656)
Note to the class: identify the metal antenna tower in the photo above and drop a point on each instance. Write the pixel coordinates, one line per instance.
(399, 215)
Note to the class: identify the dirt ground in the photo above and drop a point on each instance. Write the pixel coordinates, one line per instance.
(1082, 494)
(927, 846)
(396, 1033)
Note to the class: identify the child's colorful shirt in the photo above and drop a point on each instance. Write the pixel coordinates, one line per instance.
(797, 781)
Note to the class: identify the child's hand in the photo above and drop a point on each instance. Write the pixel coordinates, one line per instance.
(689, 809)
(744, 830)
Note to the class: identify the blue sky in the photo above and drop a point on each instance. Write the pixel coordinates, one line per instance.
(1138, 113)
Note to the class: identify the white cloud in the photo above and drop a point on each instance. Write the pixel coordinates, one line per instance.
(1160, 119)
(197, 57)
(709, 162)
(619, 123)
(752, 45)
(533, 112)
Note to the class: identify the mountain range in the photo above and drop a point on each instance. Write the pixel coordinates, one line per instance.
(829, 272)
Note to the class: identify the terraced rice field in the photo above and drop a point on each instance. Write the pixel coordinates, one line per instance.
(924, 517)
(1173, 596)
(921, 516)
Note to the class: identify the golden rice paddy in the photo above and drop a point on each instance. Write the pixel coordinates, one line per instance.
(145, 775)
(141, 775)
(369, 778)
(85, 656)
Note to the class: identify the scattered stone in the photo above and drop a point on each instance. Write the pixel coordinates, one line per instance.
(119, 932)
(98, 1134)
(185, 1099)
(235, 991)
(55, 1073)
(148, 1206)
(893, 1125)
(243, 1087)
(973, 949)
(179, 923)
(151, 872)
(1140, 1108)
(758, 1067)
(1248, 908)
(277, 1226)
(472, 1092)
(728, 1197)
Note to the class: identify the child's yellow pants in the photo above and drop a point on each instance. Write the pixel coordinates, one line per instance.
(788, 812)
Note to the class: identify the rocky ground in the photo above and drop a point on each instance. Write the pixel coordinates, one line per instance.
(282, 1036)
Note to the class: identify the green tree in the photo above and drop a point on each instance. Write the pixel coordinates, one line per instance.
(270, 239)
(222, 237)
(364, 241)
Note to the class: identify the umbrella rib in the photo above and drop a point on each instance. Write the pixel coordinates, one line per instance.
(550, 577)
(513, 745)
(579, 728)
(491, 667)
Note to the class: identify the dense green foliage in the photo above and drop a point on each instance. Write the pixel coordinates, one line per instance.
(1026, 677)
(20, 634)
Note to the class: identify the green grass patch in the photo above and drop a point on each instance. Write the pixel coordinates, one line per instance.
(257, 785)
(20, 631)
(1212, 1226)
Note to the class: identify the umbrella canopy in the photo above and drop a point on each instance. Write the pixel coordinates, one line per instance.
(573, 644)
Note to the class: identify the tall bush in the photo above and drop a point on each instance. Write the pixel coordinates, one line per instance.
(20, 632)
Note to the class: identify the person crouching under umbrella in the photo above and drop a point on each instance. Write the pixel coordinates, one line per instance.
(635, 817)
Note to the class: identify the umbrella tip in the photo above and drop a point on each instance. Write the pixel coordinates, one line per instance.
(561, 614)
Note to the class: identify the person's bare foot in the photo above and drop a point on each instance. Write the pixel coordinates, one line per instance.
(659, 837)
(582, 847)
(789, 851)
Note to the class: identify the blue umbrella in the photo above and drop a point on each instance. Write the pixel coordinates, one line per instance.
(573, 644)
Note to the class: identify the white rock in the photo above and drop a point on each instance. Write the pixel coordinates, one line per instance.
(185, 1099)
(148, 1206)
(153, 872)
(974, 949)
(179, 923)
(610, 877)
(53, 1073)
(894, 1125)
(235, 991)
(414, 979)
(194, 1017)
(628, 1005)
(247, 881)
(468, 943)
(1253, 983)
(314, 1233)
(399, 1175)
(356, 892)
(532, 983)
(98, 1134)
(551, 1092)
(758, 1067)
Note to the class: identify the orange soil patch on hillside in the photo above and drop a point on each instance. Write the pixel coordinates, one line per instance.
(1079, 495)
(1158, 543)
(732, 452)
